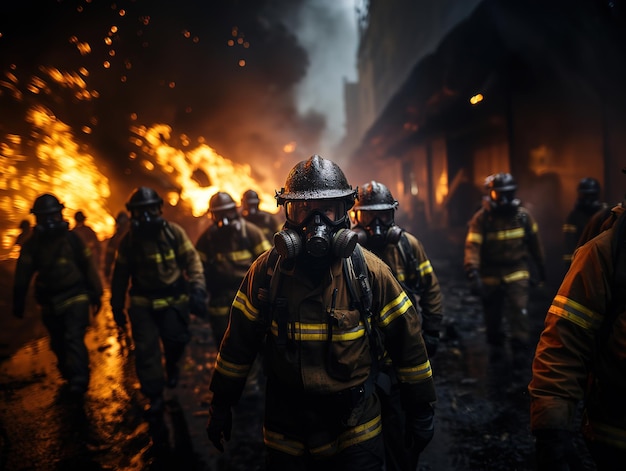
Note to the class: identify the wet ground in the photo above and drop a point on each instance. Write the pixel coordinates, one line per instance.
(481, 418)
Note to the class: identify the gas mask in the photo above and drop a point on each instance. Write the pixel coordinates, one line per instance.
(503, 200)
(147, 219)
(376, 228)
(227, 219)
(318, 227)
(51, 224)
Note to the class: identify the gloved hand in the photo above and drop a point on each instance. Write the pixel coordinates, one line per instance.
(197, 303)
(419, 428)
(431, 341)
(554, 450)
(476, 283)
(119, 316)
(220, 425)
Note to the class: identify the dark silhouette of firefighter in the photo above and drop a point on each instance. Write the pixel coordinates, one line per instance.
(166, 285)
(579, 360)
(325, 309)
(501, 245)
(374, 221)
(268, 222)
(227, 248)
(87, 235)
(122, 224)
(25, 232)
(67, 285)
(587, 204)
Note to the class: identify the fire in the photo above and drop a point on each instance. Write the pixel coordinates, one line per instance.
(51, 162)
(197, 173)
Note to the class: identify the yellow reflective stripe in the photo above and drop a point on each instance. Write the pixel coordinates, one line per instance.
(360, 433)
(242, 303)
(279, 442)
(400, 276)
(508, 234)
(232, 370)
(575, 312)
(569, 228)
(425, 268)
(567, 257)
(516, 276)
(186, 246)
(318, 332)
(158, 303)
(414, 374)
(239, 255)
(474, 237)
(158, 258)
(218, 310)
(79, 298)
(394, 309)
(534, 228)
(261, 247)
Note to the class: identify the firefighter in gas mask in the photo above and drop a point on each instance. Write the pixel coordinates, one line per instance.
(317, 301)
(227, 249)
(166, 284)
(66, 285)
(501, 246)
(250, 211)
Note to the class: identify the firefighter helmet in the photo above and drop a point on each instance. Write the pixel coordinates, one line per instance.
(80, 216)
(500, 182)
(314, 179)
(142, 197)
(221, 201)
(589, 185)
(46, 204)
(250, 197)
(374, 196)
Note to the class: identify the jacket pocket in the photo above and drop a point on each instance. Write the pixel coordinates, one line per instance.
(348, 345)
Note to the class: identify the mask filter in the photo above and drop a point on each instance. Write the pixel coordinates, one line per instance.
(288, 243)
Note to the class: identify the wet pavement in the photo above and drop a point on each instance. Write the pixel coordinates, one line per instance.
(481, 414)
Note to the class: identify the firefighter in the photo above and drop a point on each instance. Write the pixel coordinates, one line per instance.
(227, 249)
(66, 286)
(587, 204)
(501, 244)
(322, 305)
(166, 284)
(373, 220)
(250, 211)
(122, 224)
(88, 236)
(580, 360)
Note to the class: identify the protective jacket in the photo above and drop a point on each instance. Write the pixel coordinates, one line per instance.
(159, 269)
(415, 273)
(574, 225)
(498, 246)
(65, 270)
(267, 222)
(600, 222)
(317, 346)
(582, 349)
(90, 239)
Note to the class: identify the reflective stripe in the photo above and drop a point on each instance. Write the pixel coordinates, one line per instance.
(262, 247)
(569, 228)
(242, 303)
(394, 309)
(158, 303)
(218, 310)
(236, 256)
(575, 312)
(158, 258)
(186, 246)
(318, 332)
(414, 374)
(474, 237)
(567, 257)
(232, 370)
(507, 234)
(516, 276)
(79, 298)
(350, 437)
(425, 268)
(534, 228)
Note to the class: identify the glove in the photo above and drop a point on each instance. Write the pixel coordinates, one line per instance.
(555, 451)
(119, 316)
(220, 425)
(431, 341)
(419, 428)
(476, 283)
(197, 303)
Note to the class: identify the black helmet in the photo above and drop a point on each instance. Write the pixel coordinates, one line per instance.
(80, 216)
(315, 179)
(589, 185)
(142, 197)
(46, 204)
(374, 196)
(250, 197)
(221, 201)
(500, 182)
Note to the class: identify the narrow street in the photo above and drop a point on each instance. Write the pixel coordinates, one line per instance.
(481, 420)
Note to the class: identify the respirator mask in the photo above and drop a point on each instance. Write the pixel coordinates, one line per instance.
(319, 227)
(147, 219)
(503, 200)
(376, 228)
(51, 224)
(227, 219)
